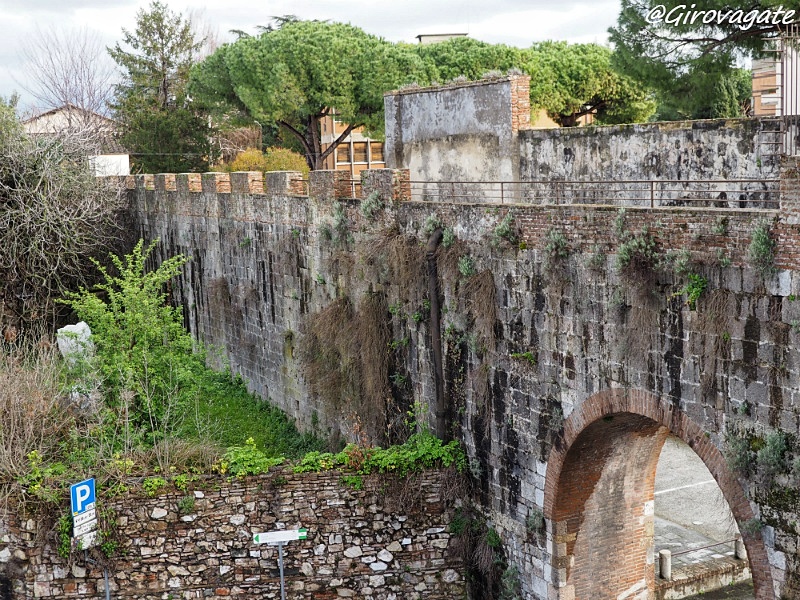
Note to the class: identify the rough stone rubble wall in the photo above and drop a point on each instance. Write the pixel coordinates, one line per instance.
(360, 543)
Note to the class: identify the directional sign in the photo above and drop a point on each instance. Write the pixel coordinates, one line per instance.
(84, 528)
(82, 497)
(279, 537)
(89, 515)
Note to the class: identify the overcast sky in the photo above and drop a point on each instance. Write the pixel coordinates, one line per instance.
(515, 22)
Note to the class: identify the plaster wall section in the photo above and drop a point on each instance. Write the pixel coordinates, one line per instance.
(458, 133)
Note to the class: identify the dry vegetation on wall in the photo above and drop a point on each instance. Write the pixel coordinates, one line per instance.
(33, 413)
(344, 351)
(714, 319)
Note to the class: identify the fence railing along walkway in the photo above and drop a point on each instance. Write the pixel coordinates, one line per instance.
(721, 193)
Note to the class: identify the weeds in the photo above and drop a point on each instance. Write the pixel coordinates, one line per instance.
(431, 223)
(505, 231)
(761, 252)
(637, 255)
(556, 248)
(694, 289)
(772, 456)
(371, 205)
(528, 357)
(466, 266)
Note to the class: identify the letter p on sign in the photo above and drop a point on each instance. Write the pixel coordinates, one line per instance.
(82, 496)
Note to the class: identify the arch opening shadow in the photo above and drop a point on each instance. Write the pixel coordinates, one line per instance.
(599, 497)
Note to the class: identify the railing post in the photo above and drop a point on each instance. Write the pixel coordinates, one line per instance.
(652, 192)
(665, 564)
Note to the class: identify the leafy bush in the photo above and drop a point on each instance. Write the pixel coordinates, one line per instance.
(142, 347)
(694, 289)
(249, 460)
(422, 451)
(432, 223)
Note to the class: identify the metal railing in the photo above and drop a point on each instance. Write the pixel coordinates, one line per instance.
(707, 193)
(665, 556)
(788, 82)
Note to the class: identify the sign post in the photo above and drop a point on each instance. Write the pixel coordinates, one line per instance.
(84, 515)
(280, 538)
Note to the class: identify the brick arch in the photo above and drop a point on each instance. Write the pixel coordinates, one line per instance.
(599, 490)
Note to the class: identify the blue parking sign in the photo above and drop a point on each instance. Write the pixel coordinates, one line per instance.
(82, 496)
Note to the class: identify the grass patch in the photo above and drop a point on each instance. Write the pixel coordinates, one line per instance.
(234, 415)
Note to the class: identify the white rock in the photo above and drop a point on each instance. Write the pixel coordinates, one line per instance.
(176, 570)
(450, 576)
(74, 342)
(385, 556)
(377, 581)
(188, 518)
(174, 582)
(345, 593)
(158, 513)
(224, 569)
(378, 566)
(434, 530)
(237, 519)
(199, 495)
(353, 552)
(5, 555)
(394, 547)
(406, 541)
(307, 569)
(78, 572)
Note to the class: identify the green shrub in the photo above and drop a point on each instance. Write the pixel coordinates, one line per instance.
(422, 451)
(737, 453)
(556, 247)
(761, 252)
(249, 460)
(694, 289)
(371, 205)
(448, 237)
(638, 254)
(505, 231)
(466, 266)
(153, 485)
(431, 223)
(772, 456)
(535, 520)
(141, 345)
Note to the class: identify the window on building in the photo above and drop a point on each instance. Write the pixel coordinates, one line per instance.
(360, 152)
(377, 152)
(343, 154)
